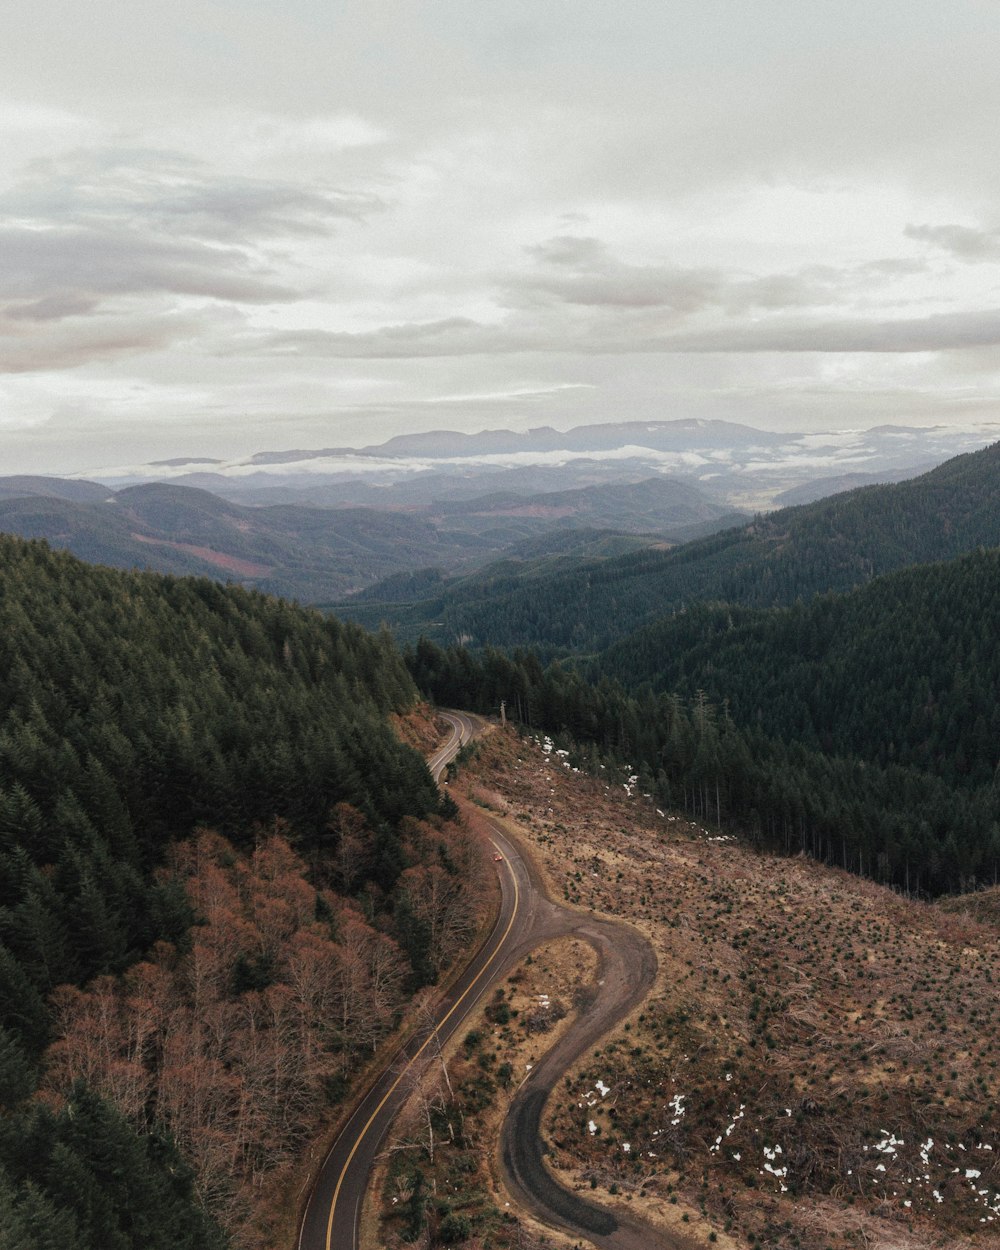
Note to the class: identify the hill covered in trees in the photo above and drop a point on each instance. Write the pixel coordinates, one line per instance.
(135, 710)
(860, 729)
(903, 671)
(316, 554)
(300, 552)
(836, 544)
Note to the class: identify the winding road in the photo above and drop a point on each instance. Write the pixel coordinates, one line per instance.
(527, 918)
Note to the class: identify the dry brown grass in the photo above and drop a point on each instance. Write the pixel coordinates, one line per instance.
(804, 1007)
(486, 1062)
(421, 728)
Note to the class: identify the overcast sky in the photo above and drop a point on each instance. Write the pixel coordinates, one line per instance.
(236, 225)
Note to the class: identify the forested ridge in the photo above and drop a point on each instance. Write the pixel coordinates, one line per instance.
(919, 809)
(135, 710)
(317, 553)
(906, 670)
(836, 544)
(859, 725)
(306, 552)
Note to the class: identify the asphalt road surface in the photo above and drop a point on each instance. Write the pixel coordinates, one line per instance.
(625, 975)
(527, 918)
(332, 1216)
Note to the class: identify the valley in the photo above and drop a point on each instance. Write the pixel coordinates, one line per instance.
(737, 991)
(418, 517)
(315, 553)
(499, 626)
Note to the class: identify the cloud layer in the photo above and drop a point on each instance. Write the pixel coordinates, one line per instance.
(115, 251)
(224, 228)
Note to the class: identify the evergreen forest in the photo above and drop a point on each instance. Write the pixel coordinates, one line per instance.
(823, 680)
(860, 729)
(222, 874)
(136, 710)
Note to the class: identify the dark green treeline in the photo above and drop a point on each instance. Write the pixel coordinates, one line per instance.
(836, 544)
(911, 828)
(134, 708)
(904, 671)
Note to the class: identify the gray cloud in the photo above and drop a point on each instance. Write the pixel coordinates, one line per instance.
(58, 271)
(963, 242)
(583, 271)
(112, 234)
(71, 343)
(158, 190)
(575, 296)
(464, 337)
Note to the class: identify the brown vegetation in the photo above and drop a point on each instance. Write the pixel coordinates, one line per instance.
(242, 1043)
(236, 1044)
(420, 728)
(817, 1065)
(442, 1147)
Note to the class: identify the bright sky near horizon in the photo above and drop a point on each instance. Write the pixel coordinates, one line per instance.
(236, 225)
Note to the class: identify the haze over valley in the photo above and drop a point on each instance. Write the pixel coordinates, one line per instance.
(320, 526)
(741, 466)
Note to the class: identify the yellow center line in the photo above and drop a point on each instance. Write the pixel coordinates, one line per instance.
(454, 1007)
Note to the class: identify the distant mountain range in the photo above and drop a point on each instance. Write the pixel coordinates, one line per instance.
(322, 525)
(736, 465)
(446, 444)
(316, 554)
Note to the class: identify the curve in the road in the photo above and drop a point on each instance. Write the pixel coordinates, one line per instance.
(527, 918)
(463, 729)
(626, 973)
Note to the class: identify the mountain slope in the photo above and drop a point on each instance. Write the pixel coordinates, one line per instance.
(834, 544)
(136, 710)
(314, 553)
(655, 505)
(816, 1066)
(299, 552)
(902, 671)
(18, 486)
(859, 728)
